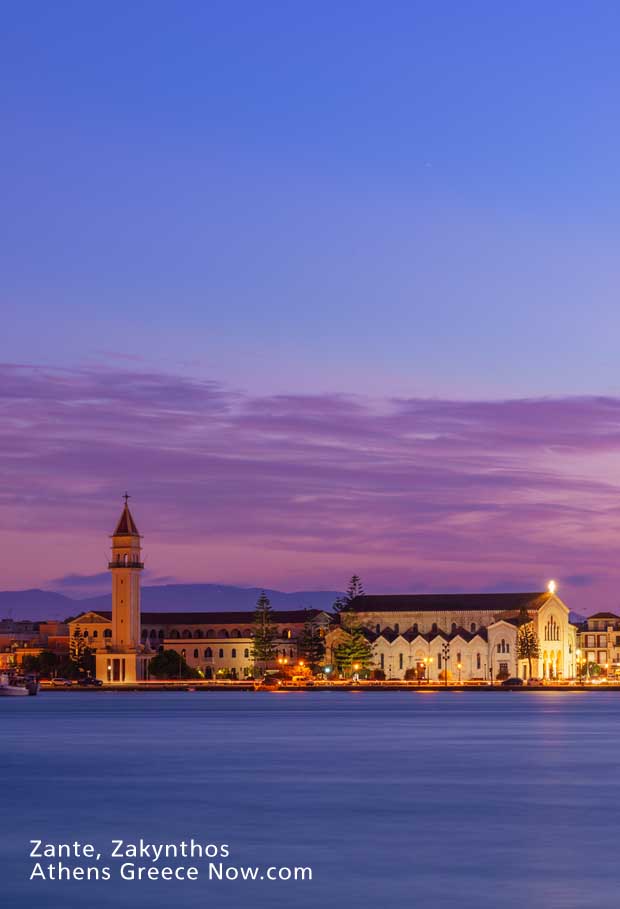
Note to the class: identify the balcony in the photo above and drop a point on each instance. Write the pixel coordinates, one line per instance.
(118, 564)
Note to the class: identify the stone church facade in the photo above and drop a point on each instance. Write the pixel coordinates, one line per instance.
(471, 636)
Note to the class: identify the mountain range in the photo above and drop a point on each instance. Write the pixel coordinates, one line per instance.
(36, 605)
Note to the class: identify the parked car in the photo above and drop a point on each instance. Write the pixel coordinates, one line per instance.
(90, 682)
(512, 683)
(62, 683)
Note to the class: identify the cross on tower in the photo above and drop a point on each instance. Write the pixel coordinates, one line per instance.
(126, 497)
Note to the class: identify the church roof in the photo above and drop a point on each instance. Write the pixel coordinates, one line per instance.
(448, 602)
(126, 525)
(285, 616)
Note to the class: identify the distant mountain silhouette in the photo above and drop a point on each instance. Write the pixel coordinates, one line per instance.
(38, 605)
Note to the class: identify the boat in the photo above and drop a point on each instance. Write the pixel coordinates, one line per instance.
(12, 685)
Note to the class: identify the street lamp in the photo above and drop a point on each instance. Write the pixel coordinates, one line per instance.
(427, 668)
(459, 666)
(446, 656)
(578, 656)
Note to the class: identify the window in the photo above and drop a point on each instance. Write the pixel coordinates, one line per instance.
(415, 627)
(396, 627)
(208, 653)
(438, 661)
(458, 658)
(153, 633)
(221, 652)
(434, 628)
(174, 634)
(499, 648)
(107, 633)
(233, 653)
(472, 627)
(144, 634)
(400, 661)
(454, 627)
(160, 634)
(246, 653)
(382, 661)
(187, 633)
(378, 628)
(478, 661)
(195, 653)
(95, 633)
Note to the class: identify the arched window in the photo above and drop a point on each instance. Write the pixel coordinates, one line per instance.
(400, 661)
(107, 633)
(221, 652)
(95, 633)
(434, 627)
(174, 634)
(198, 633)
(160, 634)
(235, 633)
(472, 627)
(378, 628)
(454, 627)
(397, 630)
(233, 653)
(153, 633)
(187, 633)
(210, 633)
(415, 627)
(144, 634)
(223, 633)
(246, 653)
(290, 653)
(247, 633)
(478, 661)
(208, 653)
(195, 653)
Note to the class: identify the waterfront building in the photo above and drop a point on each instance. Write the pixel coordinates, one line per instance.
(469, 636)
(598, 641)
(216, 643)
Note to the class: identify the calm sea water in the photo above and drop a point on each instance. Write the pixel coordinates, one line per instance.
(400, 799)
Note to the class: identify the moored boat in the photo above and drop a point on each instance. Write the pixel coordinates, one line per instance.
(17, 686)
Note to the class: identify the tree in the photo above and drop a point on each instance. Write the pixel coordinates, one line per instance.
(354, 651)
(310, 644)
(355, 589)
(171, 665)
(264, 633)
(528, 647)
(77, 647)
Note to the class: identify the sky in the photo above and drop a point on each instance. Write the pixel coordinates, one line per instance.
(327, 287)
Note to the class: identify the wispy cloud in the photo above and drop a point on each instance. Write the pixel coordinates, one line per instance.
(231, 486)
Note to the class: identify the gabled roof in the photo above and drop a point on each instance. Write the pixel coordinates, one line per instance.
(126, 525)
(604, 615)
(449, 602)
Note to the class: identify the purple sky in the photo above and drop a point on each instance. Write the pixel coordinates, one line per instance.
(327, 287)
(301, 491)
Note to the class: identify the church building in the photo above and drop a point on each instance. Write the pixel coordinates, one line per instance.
(469, 636)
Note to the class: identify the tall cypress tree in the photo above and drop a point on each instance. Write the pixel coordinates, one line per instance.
(528, 647)
(264, 633)
(355, 589)
(310, 644)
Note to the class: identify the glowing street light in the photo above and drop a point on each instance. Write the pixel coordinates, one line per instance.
(459, 666)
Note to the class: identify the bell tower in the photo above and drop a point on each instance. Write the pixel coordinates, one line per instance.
(126, 564)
